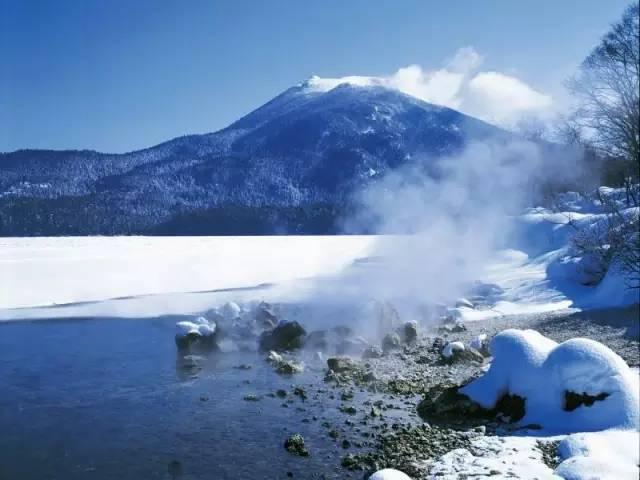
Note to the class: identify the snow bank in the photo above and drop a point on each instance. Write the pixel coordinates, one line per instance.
(612, 455)
(148, 276)
(493, 457)
(558, 382)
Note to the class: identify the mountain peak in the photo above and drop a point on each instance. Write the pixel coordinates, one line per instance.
(319, 84)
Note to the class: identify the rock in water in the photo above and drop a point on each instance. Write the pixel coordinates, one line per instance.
(199, 334)
(274, 357)
(286, 367)
(289, 367)
(295, 445)
(285, 336)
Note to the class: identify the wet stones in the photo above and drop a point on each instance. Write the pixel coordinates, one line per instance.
(197, 336)
(284, 366)
(289, 367)
(295, 445)
(408, 450)
(443, 402)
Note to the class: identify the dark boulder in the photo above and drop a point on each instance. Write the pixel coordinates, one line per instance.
(285, 336)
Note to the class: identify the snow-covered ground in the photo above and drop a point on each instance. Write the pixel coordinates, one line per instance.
(599, 441)
(147, 276)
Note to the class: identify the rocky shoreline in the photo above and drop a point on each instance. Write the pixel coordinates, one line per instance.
(389, 397)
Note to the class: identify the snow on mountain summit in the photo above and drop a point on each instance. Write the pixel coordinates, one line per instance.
(319, 84)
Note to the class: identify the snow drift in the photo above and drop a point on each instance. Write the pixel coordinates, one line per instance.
(578, 385)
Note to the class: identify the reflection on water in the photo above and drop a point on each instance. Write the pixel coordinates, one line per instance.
(110, 399)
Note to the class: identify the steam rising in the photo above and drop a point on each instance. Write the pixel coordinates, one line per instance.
(442, 220)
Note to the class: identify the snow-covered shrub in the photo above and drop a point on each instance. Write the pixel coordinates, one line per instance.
(610, 238)
(578, 385)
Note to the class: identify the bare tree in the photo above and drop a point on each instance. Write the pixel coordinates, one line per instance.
(607, 89)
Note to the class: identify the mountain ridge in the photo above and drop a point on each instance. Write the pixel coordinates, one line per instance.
(302, 148)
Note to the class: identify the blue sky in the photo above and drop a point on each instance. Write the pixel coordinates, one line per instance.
(119, 75)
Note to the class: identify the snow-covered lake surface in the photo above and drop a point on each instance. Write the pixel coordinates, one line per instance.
(181, 274)
(70, 384)
(149, 276)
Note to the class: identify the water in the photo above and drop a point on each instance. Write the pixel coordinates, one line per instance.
(107, 399)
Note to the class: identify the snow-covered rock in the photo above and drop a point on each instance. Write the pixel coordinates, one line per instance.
(451, 348)
(389, 474)
(231, 310)
(457, 352)
(579, 385)
(200, 327)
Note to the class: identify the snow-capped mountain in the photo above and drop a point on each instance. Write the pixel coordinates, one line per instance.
(289, 166)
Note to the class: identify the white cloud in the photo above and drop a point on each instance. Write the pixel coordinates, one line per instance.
(492, 96)
(504, 99)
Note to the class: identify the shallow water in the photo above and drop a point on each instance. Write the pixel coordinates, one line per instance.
(107, 399)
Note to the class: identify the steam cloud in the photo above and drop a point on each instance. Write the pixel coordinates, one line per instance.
(441, 221)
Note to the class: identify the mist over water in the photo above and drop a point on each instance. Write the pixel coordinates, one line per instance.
(441, 221)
